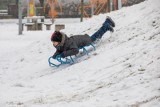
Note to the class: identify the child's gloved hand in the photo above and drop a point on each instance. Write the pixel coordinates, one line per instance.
(54, 56)
(62, 55)
(58, 56)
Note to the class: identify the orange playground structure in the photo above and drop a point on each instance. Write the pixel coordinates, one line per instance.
(53, 4)
(95, 5)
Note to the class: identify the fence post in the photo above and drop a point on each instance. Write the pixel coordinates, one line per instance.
(108, 5)
(111, 5)
(20, 16)
(82, 3)
(119, 4)
(92, 9)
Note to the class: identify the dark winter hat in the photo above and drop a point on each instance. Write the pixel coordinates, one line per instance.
(56, 36)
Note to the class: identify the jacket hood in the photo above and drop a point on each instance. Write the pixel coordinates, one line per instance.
(64, 39)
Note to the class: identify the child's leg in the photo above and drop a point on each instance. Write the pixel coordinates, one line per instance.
(105, 27)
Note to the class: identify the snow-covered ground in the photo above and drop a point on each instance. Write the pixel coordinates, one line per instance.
(124, 71)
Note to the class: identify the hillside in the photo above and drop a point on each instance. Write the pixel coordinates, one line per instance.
(124, 70)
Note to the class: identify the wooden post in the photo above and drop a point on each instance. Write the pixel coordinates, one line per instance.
(92, 9)
(119, 4)
(109, 3)
(82, 10)
(20, 16)
(116, 4)
(42, 12)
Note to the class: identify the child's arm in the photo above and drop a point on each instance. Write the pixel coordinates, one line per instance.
(55, 54)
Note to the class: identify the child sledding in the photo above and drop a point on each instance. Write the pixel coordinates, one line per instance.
(69, 46)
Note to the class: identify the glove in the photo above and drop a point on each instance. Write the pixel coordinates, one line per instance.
(58, 56)
(62, 55)
(54, 56)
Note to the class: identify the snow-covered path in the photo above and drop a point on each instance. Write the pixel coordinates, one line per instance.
(124, 71)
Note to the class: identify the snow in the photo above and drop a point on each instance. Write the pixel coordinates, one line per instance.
(124, 70)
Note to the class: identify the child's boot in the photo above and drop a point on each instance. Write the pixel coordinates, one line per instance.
(110, 21)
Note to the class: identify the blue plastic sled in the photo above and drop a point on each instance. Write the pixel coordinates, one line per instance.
(67, 60)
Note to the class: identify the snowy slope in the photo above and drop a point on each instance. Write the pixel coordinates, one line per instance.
(124, 71)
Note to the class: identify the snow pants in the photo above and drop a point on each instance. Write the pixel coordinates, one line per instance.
(104, 28)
